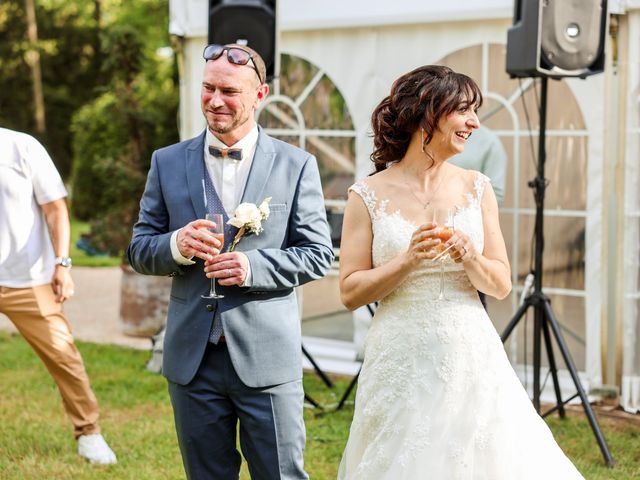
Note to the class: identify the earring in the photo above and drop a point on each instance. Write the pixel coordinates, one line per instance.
(422, 139)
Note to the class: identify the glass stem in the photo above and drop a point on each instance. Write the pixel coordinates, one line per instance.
(441, 294)
(212, 289)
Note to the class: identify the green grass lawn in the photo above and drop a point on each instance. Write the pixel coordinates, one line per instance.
(36, 440)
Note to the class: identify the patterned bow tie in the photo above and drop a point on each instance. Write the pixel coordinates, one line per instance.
(232, 153)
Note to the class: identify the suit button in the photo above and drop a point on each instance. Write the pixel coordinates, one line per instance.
(210, 308)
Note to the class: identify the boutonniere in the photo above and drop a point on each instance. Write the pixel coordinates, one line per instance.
(248, 218)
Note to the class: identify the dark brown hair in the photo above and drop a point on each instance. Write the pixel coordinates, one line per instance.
(418, 99)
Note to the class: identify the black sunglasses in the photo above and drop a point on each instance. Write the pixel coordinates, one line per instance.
(235, 55)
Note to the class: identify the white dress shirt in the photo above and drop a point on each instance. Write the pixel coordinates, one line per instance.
(229, 178)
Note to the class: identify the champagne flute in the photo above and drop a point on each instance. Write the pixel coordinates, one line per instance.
(218, 232)
(443, 218)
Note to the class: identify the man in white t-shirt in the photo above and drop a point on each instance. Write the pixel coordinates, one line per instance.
(35, 278)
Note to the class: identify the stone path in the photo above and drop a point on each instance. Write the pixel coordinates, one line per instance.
(94, 310)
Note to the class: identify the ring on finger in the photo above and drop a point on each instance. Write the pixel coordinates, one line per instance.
(228, 272)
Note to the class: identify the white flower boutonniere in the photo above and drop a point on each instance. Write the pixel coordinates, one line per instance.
(248, 218)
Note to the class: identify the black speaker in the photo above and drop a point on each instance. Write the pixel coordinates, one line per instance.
(557, 38)
(248, 22)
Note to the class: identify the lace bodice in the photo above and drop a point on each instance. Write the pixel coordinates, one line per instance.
(392, 233)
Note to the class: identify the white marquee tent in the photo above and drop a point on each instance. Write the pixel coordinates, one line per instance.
(338, 60)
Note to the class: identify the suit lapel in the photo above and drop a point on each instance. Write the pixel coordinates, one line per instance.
(254, 190)
(195, 175)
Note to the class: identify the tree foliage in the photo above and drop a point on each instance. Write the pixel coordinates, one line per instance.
(110, 99)
(115, 135)
(69, 34)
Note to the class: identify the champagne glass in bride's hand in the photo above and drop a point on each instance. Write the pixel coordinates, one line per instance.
(443, 218)
(218, 232)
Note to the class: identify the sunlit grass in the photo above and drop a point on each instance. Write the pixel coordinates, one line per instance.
(36, 440)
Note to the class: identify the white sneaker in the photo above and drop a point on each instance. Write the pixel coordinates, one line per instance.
(95, 449)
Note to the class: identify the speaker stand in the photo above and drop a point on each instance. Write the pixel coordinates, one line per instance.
(327, 381)
(544, 318)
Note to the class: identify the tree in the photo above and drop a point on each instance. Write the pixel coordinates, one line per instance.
(64, 40)
(33, 59)
(115, 135)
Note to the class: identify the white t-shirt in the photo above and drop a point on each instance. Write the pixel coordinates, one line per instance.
(28, 178)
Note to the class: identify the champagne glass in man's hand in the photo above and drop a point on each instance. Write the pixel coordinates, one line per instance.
(218, 232)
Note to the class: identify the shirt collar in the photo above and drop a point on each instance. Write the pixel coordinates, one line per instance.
(246, 143)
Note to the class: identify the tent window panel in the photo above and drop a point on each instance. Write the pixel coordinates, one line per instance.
(564, 251)
(569, 312)
(494, 115)
(528, 170)
(278, 115)
(509, 191)
(502, 84)
(563, 111)
(565, 170)
(295, 75)
(326, 107)
(467, 60)
(336, 161)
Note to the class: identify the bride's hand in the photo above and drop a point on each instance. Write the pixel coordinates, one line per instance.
(463, 249)
(422, 242)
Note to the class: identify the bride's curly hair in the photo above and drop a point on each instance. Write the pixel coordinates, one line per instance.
(418, 99)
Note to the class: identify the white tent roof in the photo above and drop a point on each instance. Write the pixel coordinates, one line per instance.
(189, 19)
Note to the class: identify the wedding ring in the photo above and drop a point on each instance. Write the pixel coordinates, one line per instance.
(228, 272)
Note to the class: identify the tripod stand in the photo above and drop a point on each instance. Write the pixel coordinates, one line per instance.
(327, 381)
(544, 318)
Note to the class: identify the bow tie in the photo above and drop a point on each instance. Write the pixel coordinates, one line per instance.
(232, 153)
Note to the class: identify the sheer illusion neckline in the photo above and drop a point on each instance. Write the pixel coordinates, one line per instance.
(383, 203)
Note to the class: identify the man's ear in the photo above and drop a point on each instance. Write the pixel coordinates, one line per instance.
(263, 91)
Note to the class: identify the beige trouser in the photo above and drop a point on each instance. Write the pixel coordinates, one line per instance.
(40, 320)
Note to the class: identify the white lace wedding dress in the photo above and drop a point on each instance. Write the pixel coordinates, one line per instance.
(437, 397)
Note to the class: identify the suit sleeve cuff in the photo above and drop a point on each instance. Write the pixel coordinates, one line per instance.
(247, 279)
(175, 252)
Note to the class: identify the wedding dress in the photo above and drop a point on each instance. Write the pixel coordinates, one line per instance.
(437, 398)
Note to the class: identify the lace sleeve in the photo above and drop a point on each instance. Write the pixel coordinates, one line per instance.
(479, 185)
(367, 195)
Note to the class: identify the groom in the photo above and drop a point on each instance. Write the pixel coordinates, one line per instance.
(237, 358)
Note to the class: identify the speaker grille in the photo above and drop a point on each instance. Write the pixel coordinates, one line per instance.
(570, 34)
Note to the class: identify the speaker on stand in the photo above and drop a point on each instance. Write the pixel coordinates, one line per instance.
(553, 39)
(246, 22)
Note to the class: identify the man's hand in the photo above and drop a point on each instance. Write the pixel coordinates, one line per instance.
(62, 283)
(195, 240)
(229, 268)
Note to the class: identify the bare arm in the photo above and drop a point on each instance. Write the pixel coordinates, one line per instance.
(57, 217)
(488, 271)
(360, 282)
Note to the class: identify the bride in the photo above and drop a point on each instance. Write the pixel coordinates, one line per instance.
(437, 398)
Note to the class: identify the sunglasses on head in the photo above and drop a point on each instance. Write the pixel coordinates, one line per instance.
(235, 55)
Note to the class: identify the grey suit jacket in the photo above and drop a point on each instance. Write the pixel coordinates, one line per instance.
(261, 322)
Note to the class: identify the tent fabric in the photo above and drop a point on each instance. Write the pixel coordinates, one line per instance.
(630, 385)
(363, 50)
